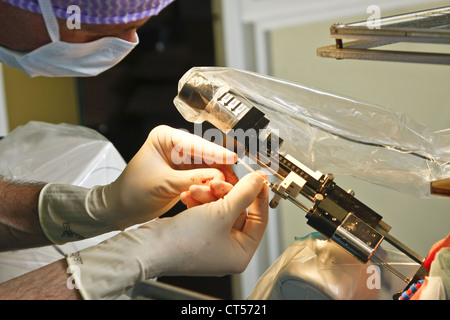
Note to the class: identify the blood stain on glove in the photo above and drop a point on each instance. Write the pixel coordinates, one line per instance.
(206, 180)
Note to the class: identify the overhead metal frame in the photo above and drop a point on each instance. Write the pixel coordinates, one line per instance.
(429, 26)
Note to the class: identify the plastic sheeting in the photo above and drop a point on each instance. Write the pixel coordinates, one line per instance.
(61, 153)
(331, 133)
(314, 268)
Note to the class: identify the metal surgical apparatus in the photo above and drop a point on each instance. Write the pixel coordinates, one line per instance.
(332, 211)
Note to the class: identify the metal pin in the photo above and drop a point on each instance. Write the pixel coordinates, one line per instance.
(246, 166)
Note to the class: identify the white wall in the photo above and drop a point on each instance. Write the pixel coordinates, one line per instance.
(247, 23)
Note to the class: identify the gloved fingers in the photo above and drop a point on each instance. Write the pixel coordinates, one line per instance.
(202, 241)
(217, 189)
(240, 221)
(197, 195)
(241, 196)
(182, 180)
(184, 148)
(228, 172)
(258, 214)
(201, 194)
(220, 188)
(188, 200)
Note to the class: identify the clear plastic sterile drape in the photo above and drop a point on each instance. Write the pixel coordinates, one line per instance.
(60, 153)
(335, 134)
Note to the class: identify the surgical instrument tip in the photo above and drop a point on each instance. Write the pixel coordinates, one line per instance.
(246, 166)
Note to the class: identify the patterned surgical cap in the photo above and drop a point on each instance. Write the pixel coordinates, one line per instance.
(100, 11)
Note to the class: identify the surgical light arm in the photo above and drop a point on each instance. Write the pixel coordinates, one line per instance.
(335, 213)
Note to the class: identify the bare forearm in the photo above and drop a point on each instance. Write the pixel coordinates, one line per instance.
(19, 218)
(51, 282)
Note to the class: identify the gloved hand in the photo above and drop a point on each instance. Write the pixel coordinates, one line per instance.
(198, 241)
(167, 164)
(198, 195)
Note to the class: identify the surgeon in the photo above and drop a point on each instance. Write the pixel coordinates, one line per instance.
(218, 233)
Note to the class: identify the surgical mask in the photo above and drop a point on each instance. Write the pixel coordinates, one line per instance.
(64, 59)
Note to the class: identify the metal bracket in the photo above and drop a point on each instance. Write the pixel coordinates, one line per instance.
(429, 26)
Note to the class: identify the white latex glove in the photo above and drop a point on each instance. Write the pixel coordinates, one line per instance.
(199, 241)
(169, 162)
(198, 195)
